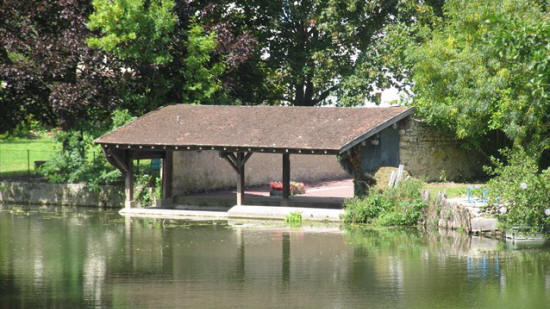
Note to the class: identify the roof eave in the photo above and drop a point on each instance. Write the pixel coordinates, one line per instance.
(223, 148)
(356, 141)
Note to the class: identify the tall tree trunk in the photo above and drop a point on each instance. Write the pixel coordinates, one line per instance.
(299, 93)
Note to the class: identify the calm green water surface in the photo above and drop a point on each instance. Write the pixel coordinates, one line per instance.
(73, 258)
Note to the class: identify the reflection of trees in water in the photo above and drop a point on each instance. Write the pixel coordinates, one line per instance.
(371, 240)
(401, 259)
(58, 250)
(444, 264)
(412, 242)
(89, 258)
(382, 257)
(69, 256)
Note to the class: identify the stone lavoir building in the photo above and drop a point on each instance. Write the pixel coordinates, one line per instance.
(212, 147)
(425, 152)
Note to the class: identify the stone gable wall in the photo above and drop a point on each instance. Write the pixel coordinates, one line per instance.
(435, 156)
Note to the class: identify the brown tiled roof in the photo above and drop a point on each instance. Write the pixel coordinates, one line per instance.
(272, 127)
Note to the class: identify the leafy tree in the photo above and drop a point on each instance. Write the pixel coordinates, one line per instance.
(414, 24)
(48, 72)
(485, 67)
(310, 52)
(304, 52)
(276, 52)
(79, 159)
(134, 29)
(201, 79)
(170, 53)
(152, 54)
(314, 49)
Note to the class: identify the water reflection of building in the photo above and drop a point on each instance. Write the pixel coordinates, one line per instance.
(256, 265)
(156, 263)
(247, 265)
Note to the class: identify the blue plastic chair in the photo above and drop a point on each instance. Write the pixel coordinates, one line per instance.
(469, 190)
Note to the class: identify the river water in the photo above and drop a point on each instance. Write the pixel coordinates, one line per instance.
(73, 258)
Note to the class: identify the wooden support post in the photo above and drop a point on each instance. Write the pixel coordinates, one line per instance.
(286, 177)
(237, 162)
(167, 176)
(129, 180)
(240, 180)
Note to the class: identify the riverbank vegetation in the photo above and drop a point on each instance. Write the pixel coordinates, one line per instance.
(79, 159)
(399, 205)
(520, 192)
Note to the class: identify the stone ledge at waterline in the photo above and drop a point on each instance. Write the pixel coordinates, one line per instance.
(74, 194)
(458, 213)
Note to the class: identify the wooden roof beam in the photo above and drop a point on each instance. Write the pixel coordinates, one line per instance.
(148, 150)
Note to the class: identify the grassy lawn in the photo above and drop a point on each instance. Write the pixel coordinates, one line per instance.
(451, 189)
(17, 155)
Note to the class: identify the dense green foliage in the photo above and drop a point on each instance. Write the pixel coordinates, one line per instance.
(134, 29)
(305, 52)
(400, 205)
(522, 189)
(483, 67)
(172, 58)
(202, 79)
(89, 58)
(47, 72)
(69, 64)
(78, 159)
(311, 52)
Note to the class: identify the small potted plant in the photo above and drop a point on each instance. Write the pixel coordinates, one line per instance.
(276, 188)
(297, 188)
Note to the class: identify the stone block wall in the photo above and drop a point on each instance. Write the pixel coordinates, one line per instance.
(74, 194)
(434, 156)
(205, 170)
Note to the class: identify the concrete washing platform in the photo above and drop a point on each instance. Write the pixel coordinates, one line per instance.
(238, 211)
(279, 213)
